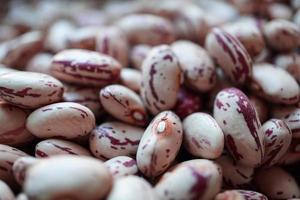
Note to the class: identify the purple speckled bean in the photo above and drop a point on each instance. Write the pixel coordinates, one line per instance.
(230, 54)
(138, 54)
(292, 119)
(53, 147)
(265, 84)
(133, 188)
(202, 180)
(122, 166)
(85, 67)
(160, 68)
(8, 155)
(240, 124)
(159, 144)
(240, 195)
(83, 38)
(277, 139)
(276, 183)
(234, 174)
(202, 136)
(123, 104)
(260, 106)
(112, 41)
(290, 62)
(13, 130)
(68, 175)
(66, 120)
(196, 65)
(40, 63)
(112, 139)
(21, 165)
(30, 89)
(131, 78)
(147, 29)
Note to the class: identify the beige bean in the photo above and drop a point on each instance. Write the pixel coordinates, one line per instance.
(131, 78)
(67, 120)
(67, 177)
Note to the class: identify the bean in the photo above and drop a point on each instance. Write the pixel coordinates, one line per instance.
(124, 104)
(161, 67)
(289, 62)
(20, 167)
(160, 144)
(138, 54)
(5, 192)
(241, 126)
(112, 139)
(66, 120)
(260, 106)
(121, 166)
(133, 188)
(52, 147)
(84, 67)
(30, 89)
(241, 195)
(131, 78)
(40, 63)
(83, 38)
(67, 177)
(230, 55)
(203, 137)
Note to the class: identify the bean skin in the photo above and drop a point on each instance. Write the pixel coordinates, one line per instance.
(121, 166)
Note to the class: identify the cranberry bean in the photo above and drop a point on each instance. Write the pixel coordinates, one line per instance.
(122, 166)
(159, 144)
(123, 104)
(66, 120)
(67, 177)
(85, 67)
(265, 84)
(291, 63)
(230, 54)
(52, 147)
(260, 107)
(30, 89)
(277, 139)
(131, 78)
(276, 183)
(5, 192)
(240, 124)
(240, 195)
(20, 167)
(84, 38)
(202, 180)
(196, 65)
(112, 139)
(160, 68)
(147, 29)
(203, 137)
(133, 188)
(138, 54)
(40, 63)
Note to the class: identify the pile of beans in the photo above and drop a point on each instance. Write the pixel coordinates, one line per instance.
(152, 100)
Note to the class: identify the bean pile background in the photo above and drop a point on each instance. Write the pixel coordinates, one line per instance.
(152, 100)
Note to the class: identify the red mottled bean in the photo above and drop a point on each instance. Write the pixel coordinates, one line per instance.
(121, 166)
(21, 165)
(240, 195)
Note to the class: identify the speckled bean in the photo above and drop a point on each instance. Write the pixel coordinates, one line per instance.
(138, 54)
(133, 188)
(113, 139)
(4, 69)
(85, 96)
(5, 192)
(265, 84)
(53, 147)
(240, 195)
(282, 35)
(112, 41)
(159, 144)
(230, 55)
(277, 139)
(21, 165)
(202, 136)
(160, 68)
(240, 124)
(40, 63)
(67, 120)
(22, 196)
(249, 35)
(292, 119)
(30, 89)
(196, 65)
(120, 166)
(67, 177)
(85, 67)
(147, 29)
(131, 78)
(235, 175)
(123, 104)
(8, 155)
(202, 180)
(276, 183)
(260, 106)
(13, 130)
(17, 52)
(290, 62)
(84, 38)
